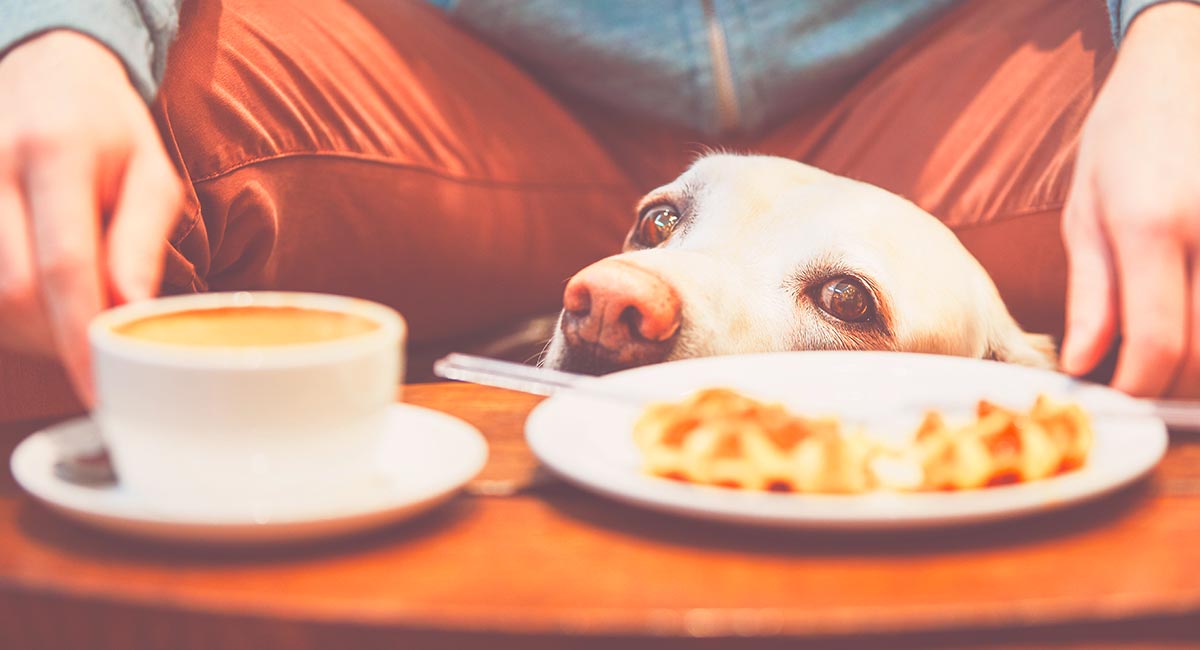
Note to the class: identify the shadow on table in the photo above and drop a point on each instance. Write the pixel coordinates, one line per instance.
(47, 528)
(596, 511)
(165, 627)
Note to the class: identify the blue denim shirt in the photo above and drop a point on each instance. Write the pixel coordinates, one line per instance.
(713, 65)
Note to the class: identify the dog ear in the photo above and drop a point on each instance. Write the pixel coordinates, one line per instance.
(1014, 345)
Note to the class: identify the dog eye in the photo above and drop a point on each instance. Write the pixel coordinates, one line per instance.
(845, 298)
(655, 225)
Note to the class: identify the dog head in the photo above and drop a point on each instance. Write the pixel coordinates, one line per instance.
(756, 254)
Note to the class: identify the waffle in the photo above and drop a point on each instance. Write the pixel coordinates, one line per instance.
(723, 438)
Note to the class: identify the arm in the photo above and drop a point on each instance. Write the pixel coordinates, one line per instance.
(138, 32)
(1122, 12)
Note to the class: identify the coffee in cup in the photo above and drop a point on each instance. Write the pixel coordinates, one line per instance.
(247, 326)
(243, 399)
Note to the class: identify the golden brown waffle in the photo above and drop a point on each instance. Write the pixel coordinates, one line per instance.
(721, 437)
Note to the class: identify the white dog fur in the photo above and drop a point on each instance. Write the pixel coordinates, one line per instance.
(758, 233)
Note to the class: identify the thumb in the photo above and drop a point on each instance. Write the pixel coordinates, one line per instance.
(146, 210)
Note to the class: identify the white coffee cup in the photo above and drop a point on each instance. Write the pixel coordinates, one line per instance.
(192, 428)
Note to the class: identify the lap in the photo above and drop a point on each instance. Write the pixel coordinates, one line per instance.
(353, 148)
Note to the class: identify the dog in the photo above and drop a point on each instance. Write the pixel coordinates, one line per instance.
(757, 254)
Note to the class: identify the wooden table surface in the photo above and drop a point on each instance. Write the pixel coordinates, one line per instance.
(553, 562)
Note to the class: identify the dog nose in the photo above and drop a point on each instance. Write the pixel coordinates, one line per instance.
(628, 311)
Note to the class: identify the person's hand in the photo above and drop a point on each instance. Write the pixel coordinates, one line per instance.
(87, 196)
(1132, 220)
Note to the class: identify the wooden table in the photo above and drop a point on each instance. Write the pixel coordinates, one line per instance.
(551, 562)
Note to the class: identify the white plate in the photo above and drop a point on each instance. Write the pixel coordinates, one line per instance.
(424, 457)
(588, 440)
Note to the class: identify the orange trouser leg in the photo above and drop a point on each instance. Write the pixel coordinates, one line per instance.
(977, 121)
(372, 148)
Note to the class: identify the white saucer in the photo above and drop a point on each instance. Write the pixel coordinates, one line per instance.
(424, 457)
(588, 440)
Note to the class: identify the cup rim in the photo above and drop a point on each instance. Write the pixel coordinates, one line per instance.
(104, 339)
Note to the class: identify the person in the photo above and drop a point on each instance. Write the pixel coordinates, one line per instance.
(459, 160)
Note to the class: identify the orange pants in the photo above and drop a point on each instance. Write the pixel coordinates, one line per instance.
(373, 148)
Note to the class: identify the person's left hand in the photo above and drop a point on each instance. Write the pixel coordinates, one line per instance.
(1132, 221)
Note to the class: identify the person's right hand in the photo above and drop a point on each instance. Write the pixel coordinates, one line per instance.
(87, 196)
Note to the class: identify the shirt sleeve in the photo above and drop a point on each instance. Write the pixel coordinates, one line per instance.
(139, 32)
(1122, 12)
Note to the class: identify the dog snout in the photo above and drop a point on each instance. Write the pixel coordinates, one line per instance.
(627, 314)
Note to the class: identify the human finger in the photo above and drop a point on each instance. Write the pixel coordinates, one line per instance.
(1152, 280)
(62, 195)
(1187, 383)
(1091, 285)
(146, 210)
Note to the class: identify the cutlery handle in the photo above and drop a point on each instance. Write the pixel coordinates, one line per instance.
(1179, 415)
(527, 379)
